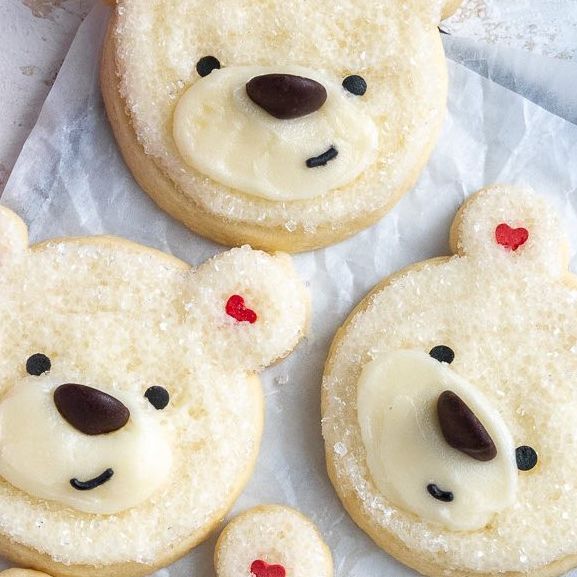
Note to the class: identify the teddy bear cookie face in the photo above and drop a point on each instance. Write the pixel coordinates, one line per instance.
(291, 133)
(84, 448)
(448, 399)
(272, 541)
(420, 430)
(288, 103)
(128, 401)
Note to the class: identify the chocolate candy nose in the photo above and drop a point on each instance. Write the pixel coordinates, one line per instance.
(462, 429)
(286, 96)
(89, 410)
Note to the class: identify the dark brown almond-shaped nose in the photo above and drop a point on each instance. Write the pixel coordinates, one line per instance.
(286, 96)
(462, 429)
(89, 410)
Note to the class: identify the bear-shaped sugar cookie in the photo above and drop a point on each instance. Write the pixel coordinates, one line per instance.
(450, 400)
(130, 409)
(272, 541)
(285, 125)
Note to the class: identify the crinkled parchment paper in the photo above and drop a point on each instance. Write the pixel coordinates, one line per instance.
(70, 180)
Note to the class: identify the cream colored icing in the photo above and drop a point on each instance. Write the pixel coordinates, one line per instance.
(221, 133)
(406, 451)
(40, 452)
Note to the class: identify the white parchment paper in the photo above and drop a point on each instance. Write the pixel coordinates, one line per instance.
(70, 180)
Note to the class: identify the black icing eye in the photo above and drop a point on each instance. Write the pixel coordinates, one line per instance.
(158, 397)
(526, 458)
(356, 85)
(206, 65)
(38, 364)
(443, 354)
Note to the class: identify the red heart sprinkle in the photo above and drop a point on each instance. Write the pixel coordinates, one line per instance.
(235, 308)
(263, 569)
(511, 238)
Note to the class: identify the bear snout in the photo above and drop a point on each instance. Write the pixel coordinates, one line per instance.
(90, 410)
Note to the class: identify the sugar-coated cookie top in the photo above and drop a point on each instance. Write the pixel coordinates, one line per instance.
(243, 101)
(481, 349)
(272, 541)
(129, 415)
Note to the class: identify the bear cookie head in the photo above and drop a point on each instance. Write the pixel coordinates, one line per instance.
(289, 116)
(130, 410)
(450, 403)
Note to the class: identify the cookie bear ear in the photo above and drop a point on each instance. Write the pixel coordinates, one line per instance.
(438, 10)
(253, 307)
(450, 7)
(13, 235)
(272, 541)
(508, 225)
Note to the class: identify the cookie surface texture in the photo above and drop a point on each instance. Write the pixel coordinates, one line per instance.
(272, 541)
(449, 403)
(283, 125)
(130, 409)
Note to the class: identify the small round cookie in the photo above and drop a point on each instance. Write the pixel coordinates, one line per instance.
(272, 541)
(449, 400)
(130, 408)
(285, 125)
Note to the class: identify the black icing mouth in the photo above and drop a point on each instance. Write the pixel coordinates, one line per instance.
(439, 494)
(92, 483)
(323, 159)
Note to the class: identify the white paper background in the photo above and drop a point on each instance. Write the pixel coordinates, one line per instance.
(70, 180)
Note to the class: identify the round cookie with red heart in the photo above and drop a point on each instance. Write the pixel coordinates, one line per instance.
(449, 400)
(131, 411)
(272, 541)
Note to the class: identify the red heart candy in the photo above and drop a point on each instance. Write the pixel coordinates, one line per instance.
(511, 238)
(263, 569)
(236, 309)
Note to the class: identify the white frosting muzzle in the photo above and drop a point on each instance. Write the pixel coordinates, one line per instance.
(407, 452)
(40, 453)
(223, 134)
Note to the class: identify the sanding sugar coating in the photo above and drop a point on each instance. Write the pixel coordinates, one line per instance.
(394, 46)
(274, 541)
(123, 318)
(508, 311)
